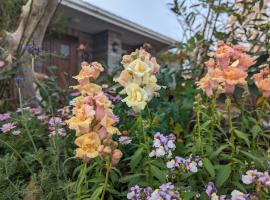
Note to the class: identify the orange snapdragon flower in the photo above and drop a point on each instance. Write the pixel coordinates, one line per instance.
(87, 145)
(262, 81)
(227, 69)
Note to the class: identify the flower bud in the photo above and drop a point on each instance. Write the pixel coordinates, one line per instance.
(117, 154)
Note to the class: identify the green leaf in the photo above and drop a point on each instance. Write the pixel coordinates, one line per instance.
(209, 167)
(218, 151)
(159, 174)
(136, 158)
(130, 177)
(97, 193)
(256, 129)
(242, 136)
(257, 159)
(224, 173)
(188, 195)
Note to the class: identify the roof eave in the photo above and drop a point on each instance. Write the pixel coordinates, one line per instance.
(102, 14)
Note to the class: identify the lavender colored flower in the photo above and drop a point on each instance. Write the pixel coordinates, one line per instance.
(75, 94)
(65, 112)
(43, 118)
(166, 191)
(124, 140)
(35, 111)
(4, 116)
(19, 80)
(191, 164)
(54, 121)
(163, 146)
(7, 127)
(253, 176)
(237, 195)
(211, 192)
(264, 179)
(32, 49)
(61, 132)
(134, 193)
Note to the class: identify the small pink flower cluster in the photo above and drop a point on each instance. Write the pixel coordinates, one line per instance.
(9, 126)
(227, 69)
(55, 127)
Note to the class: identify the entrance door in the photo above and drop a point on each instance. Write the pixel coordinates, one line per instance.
(62, 53)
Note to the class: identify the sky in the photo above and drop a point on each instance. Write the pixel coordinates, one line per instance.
(152, 14)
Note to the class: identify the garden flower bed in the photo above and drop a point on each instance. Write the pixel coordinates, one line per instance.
(126, 142)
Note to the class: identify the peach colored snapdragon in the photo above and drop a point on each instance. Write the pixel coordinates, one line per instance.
(262, 81)
(92, 116)
(226, 70)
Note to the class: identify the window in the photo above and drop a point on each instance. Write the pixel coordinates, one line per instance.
(64, 50)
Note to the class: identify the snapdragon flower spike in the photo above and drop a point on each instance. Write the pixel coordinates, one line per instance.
(163, 145)
(226, 70)
(190, 164)
(211, 192)
(93, 118)
(138, 79)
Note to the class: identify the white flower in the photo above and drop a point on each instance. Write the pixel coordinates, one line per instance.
(193, 166)
(157, 143)
(171, 144)
(152, 154)
(130, 195)
(237, 195)
(160, 152)
(155, 195)
(170, 164)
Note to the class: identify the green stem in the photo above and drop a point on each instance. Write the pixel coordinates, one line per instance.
(17, 153)
(25, 122)
(106, 179)
(231, 130)
(81, 177)
(199, 128)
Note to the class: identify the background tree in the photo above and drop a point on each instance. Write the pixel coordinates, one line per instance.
(33, 22)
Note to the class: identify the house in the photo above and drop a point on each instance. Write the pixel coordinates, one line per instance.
(105, 35)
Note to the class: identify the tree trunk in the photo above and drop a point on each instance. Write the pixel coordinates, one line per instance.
(34, 20)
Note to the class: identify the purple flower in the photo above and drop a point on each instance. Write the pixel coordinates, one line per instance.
(191, 164)
(7, 127)
(134, 193)
(75, 94)
(211, 192)
(166, 191)
(35, 111)
(124, 140)
(4, 116)
(163, 146)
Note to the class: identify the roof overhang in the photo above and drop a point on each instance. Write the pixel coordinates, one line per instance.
(92, 19)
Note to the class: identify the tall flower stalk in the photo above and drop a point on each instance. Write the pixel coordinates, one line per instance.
(94, 121)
